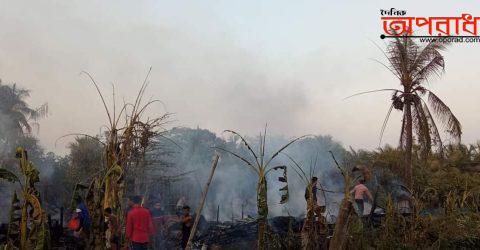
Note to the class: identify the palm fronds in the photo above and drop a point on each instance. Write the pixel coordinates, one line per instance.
(443, 112)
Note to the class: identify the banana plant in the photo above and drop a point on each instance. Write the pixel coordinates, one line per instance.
(310, 231)
(127, 137)
(28, 211)
(261, 166)
(339, 238)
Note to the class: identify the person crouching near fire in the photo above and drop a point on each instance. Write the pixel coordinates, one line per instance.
(360, 192)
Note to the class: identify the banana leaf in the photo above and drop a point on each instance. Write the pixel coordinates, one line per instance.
(285, 195)
(7, 175)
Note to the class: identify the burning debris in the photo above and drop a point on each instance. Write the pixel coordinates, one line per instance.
(225, 235)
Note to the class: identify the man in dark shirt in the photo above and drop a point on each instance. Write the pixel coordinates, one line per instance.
(157, 210)
(313, 184)
(187, 223)
(158, 216)
(316, 208)
(139, 226)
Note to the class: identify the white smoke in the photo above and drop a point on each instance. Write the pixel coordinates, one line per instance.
(234, 183)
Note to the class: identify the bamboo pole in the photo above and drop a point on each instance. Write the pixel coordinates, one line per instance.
(202, 203)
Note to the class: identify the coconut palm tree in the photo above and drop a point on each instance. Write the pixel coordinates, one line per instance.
(262, 167)
(17, 110)
(413, 65)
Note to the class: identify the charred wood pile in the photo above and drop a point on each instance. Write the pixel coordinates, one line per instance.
(243, 233)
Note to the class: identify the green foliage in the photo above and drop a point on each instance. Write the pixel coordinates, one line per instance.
(85, 159)
(445, 197)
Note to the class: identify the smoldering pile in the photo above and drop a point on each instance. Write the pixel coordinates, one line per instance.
(243, 233)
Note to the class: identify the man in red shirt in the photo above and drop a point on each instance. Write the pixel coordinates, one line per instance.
(139, 226)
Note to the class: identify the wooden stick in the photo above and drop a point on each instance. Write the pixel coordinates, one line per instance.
(242, 211)
(202, 203)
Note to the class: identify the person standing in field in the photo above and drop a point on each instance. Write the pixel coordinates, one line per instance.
(83, 231)
(314, 189)
(139, 225)
(360, 192)
(158, 216)
(187, 223)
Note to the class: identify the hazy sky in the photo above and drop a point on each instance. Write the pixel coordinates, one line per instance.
(224, 64)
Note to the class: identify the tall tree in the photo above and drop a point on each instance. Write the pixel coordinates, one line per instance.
(19, 114)
(413, 65)
(86, 157)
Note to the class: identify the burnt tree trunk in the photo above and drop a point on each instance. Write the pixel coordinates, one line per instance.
(309, 233)
(262, 206)
(340, 234)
